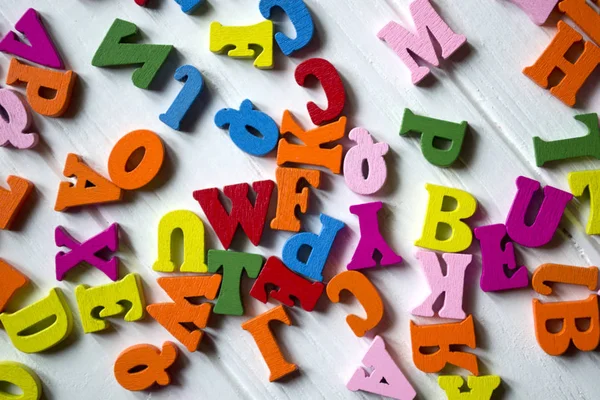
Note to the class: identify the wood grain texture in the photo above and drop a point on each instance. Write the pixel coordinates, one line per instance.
(481, 83)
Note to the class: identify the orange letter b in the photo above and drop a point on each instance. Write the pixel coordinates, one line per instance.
(568, 312)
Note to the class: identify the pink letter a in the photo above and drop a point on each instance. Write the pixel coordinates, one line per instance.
(384, 367)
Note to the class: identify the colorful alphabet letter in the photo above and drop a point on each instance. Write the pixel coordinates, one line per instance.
(288, 284)
(258, 327)
(494, 259)
(575, 74)
(141, 366)
(193, 242)
(233, 265)
(382, 368)
(22, 377)
(15, 131)
(113, 52)
(451, 285)
(408, 45)
(311, 153)
(541, 231)
(90, 188)
(367, 295)
(87, 252)
(578, 182)
(370, 239)
(109, 300)
(11, 201)
(461, 236)
(241, 38)
(583, 146)
(35, 79)
(247, 117)
(19, 325)
(556, 343)
(243, 213)
(289, 199)
(192, 87)
(432, 129)
(12, 280)
(301, 19)
(320, 246)
(365, 151)
(481, 387)
(332, 85)
(444, 336)
(172, 316)
(41, 49)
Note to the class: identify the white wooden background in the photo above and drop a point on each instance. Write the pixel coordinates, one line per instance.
(481, 84)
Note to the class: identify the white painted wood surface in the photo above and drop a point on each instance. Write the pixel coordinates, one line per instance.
(482, 85)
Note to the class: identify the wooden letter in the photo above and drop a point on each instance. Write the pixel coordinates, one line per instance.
(461, 237)
(575, 74)
(22, 377)
(41, 49)
(365, 151)
(556, 343)
(148, 167)
(583, 146)
(370, 239)
(258, 327)
(311, 153)
(332, 84)
(113, 52)
(494, 259)
(288, 198)
(382, 367)
(444, 336)
(192, 87)
(584, 16)
(585, 276)
(87, 252)
(481, 387)
(547, 219)
(90, 188)
(108, 301)
(241, 38)
(37, 78)
(247, 117)
(153, 361)
(537, 10)
(172, 315)
(243, 213)
(300, 18)
(15, 130)
(407, 45)
(451, 284)
(287, 284)
(366, 294)
(320, 246)
(52, 308)
(432, 129)
(193, 242)
(12, 280)
(12, 200)
(188, 6)
(578, 182)
(233, 265)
